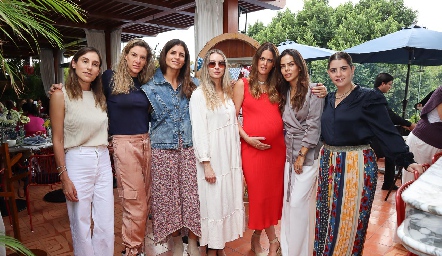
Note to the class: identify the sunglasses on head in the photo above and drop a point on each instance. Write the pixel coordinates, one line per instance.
(221, 64)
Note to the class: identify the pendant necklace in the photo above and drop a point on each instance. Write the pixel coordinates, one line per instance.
(261, 82)
(345, 94)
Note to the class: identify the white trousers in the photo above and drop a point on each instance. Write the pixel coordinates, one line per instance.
(423, 154)
(89, 168)
(298, 215)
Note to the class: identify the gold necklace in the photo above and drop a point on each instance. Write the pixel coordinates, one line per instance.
(345, 94)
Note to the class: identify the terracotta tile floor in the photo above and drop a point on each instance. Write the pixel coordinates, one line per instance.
(52, 234)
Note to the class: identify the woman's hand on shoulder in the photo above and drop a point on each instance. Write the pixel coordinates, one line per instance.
(54, 87)
(320, 90)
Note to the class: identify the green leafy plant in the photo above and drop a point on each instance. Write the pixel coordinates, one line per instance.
(14, 245)
(27, 20)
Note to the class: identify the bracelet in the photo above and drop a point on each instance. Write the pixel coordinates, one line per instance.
(301, 154)
(59, 174)
(61, 166)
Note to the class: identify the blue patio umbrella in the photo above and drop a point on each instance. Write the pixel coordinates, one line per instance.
(413, 45)
(308, 52)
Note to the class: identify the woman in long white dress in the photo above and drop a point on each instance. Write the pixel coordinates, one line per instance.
(301, 113)
(217, 149)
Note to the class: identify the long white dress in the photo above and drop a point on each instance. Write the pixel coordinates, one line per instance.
(216, 139)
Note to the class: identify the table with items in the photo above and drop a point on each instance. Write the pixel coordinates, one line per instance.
(421, 231)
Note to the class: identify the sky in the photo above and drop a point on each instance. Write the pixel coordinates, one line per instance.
(428, 16)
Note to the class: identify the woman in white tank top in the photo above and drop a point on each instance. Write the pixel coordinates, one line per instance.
(79, 124)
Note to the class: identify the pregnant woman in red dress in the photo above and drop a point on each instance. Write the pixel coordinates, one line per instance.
(262, 146)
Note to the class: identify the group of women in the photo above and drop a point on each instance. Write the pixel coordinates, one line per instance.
(180, 152)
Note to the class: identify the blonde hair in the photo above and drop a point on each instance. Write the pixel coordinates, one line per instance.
(271, 79)
(73, 87)
(122, 80)
(208, 86)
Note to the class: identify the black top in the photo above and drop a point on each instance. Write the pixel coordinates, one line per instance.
(397, 120)
(361, 116)
(424, 100)
(128, 113)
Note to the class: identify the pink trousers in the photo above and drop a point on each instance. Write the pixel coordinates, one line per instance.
(132, 156)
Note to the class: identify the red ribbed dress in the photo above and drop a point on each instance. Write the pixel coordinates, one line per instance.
(263, 169)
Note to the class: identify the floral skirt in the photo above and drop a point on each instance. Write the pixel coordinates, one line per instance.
(175, 201)
(346, 187)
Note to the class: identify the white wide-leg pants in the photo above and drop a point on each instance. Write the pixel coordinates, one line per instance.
(298, 215)
(89, 168)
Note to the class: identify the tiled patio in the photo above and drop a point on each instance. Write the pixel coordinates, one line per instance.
(52, 234)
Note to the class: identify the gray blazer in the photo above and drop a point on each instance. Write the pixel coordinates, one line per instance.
(303, 127)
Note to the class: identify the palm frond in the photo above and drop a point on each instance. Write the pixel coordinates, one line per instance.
(27, 19)
(66, 8)
(15, 245)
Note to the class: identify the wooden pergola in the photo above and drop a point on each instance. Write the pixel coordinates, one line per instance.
(136, 18)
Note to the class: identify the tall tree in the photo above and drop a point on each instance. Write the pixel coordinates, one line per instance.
(347, 25)
(279, 30)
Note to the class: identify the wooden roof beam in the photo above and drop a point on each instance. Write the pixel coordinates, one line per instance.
(78, 25)
(136, 33)
(162, 8)
(132, 22)
(164, 13)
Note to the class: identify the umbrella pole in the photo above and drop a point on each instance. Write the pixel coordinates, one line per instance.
(407, 81)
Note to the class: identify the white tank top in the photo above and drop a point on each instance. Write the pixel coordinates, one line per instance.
(85, 124)
(433, 116)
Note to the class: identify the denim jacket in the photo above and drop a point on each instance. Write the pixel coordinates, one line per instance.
(170, 115)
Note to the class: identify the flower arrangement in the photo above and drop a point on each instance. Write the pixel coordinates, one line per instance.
(10, 118)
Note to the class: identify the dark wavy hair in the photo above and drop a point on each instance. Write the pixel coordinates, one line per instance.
(271, 79)
(297, 100)
(73, 87)
(184, 76)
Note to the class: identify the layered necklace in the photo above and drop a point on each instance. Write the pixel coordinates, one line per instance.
(345, 94)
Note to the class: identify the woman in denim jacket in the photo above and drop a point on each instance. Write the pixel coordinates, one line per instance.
(175, 201)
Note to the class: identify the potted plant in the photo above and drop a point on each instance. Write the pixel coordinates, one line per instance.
(14, 245)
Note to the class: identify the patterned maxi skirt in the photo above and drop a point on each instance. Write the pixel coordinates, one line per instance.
(175, 200)
(346, 188)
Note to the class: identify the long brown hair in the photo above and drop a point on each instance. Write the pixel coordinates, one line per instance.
(207, 85)
(184, 76)
(122, 79)
(271, 79)
(73, 87)
(297, 100)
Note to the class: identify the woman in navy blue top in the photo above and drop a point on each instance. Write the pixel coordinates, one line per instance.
(128, 111)
(352, 116)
